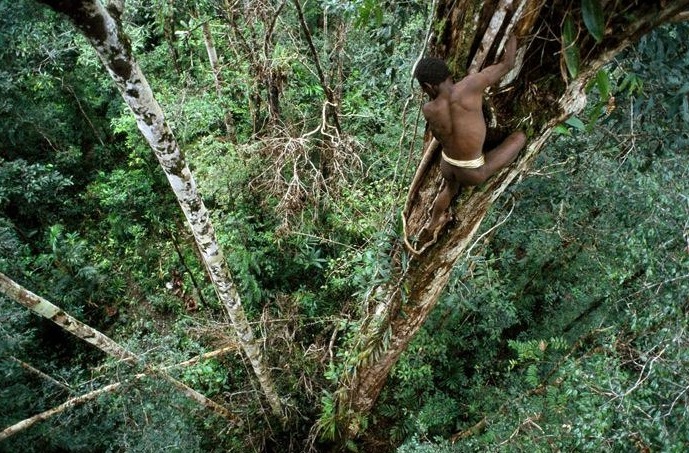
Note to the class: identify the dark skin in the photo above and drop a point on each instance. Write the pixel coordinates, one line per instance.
(455, 117)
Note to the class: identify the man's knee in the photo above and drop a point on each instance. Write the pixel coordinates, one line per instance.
(518, 138)
(477, 176)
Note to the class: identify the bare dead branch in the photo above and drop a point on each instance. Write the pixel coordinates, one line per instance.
(41, 374)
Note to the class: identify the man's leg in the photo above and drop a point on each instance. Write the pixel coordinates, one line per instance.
(439, 212)
(504, 154)
(442, 203)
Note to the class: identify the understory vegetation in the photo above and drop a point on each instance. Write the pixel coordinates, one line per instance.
(564, 329)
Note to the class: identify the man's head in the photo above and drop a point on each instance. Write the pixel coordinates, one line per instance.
(431, 72)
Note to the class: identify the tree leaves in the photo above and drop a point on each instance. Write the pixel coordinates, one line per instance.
(570, 50)
(594, 20)
(592, 13)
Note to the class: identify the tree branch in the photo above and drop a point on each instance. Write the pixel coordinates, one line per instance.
(321, 76)
(40, 374)
(92, 336)
(29, 422)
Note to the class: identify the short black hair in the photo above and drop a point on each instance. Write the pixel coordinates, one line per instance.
(431, 70)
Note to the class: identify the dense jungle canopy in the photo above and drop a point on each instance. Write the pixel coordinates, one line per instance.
(204, 208)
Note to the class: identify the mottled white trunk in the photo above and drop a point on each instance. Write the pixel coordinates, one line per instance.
(92, 336)
(104, 32)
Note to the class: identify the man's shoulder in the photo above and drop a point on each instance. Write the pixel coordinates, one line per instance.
(468, 92)
(434, 106)
(469, 84)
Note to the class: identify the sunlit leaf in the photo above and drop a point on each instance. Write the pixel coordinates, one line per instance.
(603, 83)
(576, 123)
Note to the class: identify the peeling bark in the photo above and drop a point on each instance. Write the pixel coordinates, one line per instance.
(105, 34)
(468, 35)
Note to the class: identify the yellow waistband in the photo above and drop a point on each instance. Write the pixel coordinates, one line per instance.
(474, 163)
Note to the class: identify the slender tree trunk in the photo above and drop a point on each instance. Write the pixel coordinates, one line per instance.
(92, 336)
(258, 18)
(217, 78)
(538, 95)
(103, 29)
(332, 104)
(274, 78)
(168, 14)
(197, 289)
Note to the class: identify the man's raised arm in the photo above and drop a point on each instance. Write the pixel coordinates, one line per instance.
(492, 74)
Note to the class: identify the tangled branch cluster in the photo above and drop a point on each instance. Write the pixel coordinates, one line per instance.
(306, 170)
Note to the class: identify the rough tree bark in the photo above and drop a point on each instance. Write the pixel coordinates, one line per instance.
(537, 95)
(103, 29)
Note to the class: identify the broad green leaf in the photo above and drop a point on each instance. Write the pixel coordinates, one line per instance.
(561, 129)
(576, 123)
(603, 83)
(592, 12)
(570, 51)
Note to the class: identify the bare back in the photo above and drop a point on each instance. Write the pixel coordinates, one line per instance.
(455, 115)
(456, 118)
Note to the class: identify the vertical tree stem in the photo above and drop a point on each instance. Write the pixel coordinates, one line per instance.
(104, 32)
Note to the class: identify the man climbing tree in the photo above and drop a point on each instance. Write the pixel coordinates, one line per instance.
(565, 44)
(455, 116)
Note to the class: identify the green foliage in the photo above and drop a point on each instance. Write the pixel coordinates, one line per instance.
(567, 327)
(209, 377)
(31, 190)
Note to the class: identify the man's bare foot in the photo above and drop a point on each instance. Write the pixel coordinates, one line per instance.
(429, 233)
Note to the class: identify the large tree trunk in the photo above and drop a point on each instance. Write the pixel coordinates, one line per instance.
(539, 94)
(102, 27)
